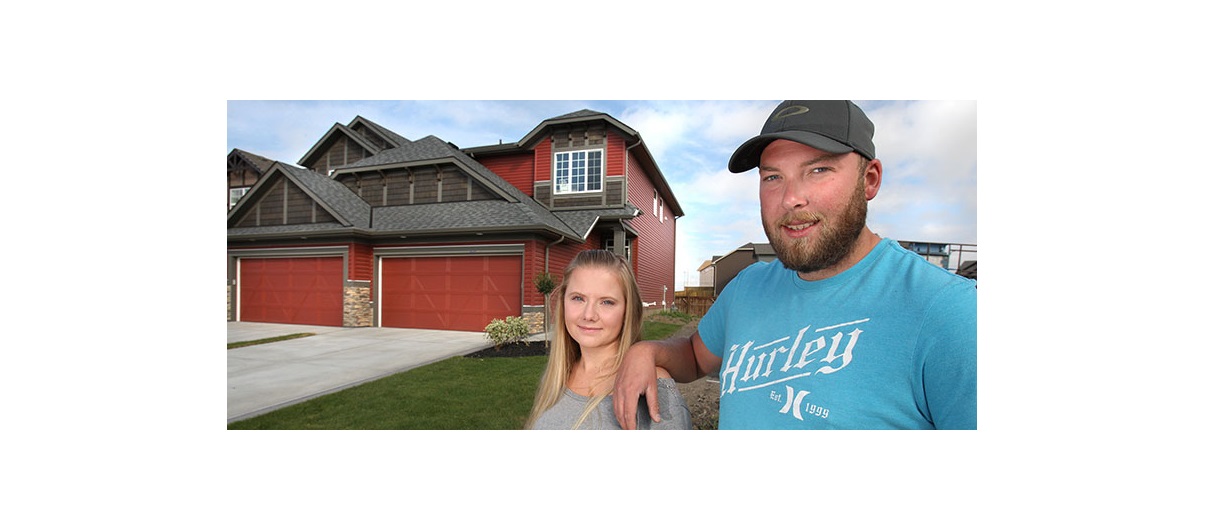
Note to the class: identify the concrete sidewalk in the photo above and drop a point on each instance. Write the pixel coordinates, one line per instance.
(269, 376)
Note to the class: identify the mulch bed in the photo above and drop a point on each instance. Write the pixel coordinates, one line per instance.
(517, 349)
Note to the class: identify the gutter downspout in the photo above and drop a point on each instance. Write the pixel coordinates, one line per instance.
(628, 152)
(548, 246)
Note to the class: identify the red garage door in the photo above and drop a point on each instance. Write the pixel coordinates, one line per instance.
(458, 293)
(291, 290)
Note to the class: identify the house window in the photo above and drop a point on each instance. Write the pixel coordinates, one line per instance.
(578, 171)
(236, 194)
(625, 252)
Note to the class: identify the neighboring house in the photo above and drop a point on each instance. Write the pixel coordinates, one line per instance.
(969, 269)
(378, 230)
(949, 256)
(706, 274)
(935, 253)
(727, 266)
(724, 268)
(243, 170)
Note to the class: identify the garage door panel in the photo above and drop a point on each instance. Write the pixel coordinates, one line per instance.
(460, 293)
(292, 290)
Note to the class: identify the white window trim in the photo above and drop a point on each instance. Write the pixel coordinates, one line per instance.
(231, 199)
(602, 171)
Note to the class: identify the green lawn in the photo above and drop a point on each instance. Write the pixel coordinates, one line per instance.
(456, 393)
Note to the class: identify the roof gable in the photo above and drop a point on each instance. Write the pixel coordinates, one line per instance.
(258, 162)
(430, 150)
(391, 138)
(337, 131)
(284, 187)
(335, 208)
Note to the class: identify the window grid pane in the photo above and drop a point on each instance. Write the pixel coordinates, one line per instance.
(578, 171)
(562, 172)
(594, 171)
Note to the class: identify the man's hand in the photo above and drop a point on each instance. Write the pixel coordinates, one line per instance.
(637, 375)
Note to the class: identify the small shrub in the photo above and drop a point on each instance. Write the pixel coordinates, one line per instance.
(674, 314)
(545, 283)
(511, 330)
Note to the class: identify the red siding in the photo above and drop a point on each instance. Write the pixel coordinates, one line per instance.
(653, 251)
(543, 160)
(518, 169)
(359, 265)
(533, 263)
(616, 151)
(559, 256)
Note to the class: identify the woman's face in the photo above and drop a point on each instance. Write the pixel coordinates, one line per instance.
(594, 308)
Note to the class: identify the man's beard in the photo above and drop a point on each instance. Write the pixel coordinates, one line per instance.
(835, 239)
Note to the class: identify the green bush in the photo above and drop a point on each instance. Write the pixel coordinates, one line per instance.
(676, 315)
(511, 330)
(545, 283)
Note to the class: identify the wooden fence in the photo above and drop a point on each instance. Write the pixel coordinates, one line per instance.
(693, 305)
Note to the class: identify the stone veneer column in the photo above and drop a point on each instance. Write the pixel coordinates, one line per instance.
(535, 319)
(357, 304)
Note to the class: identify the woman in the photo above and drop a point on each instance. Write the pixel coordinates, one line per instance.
(596, 318)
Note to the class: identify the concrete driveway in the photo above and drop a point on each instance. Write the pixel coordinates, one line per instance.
(270, 376)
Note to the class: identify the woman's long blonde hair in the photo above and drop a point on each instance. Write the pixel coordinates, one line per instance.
(564, 351)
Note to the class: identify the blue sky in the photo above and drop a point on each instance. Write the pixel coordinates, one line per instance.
(928, 150)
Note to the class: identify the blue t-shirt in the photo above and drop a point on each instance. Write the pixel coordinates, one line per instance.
(888, 344)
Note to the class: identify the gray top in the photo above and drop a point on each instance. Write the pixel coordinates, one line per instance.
(565, 412)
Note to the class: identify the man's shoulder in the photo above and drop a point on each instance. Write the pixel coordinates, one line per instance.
(913, 267)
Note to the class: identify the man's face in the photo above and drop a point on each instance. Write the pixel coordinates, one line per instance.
(813, 204)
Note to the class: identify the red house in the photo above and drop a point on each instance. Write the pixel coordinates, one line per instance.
(375, 229)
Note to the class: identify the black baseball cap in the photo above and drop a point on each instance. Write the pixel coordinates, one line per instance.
(828, 125)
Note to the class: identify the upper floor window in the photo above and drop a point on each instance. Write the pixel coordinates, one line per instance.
(578, 171)
(236, 194)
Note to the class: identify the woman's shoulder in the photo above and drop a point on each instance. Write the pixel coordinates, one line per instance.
(675, 414)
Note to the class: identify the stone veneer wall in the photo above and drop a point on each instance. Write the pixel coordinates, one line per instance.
(535, 319)
(357, 304)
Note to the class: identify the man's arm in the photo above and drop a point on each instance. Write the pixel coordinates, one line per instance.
(686, 359)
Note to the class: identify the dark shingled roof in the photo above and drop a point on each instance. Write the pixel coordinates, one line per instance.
(577, 114)
(582, 221)
(287, 230)
(350, 210)
(337, 198)
(516, 211)
(523, 212)
(428, 148)
(493, 215)
(388, 134)
(260, 163)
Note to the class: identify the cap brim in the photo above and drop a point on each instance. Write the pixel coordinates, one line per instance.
(748, 155)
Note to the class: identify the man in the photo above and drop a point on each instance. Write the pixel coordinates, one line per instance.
(846, 330)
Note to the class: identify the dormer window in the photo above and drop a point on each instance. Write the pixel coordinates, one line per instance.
(578, 171)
